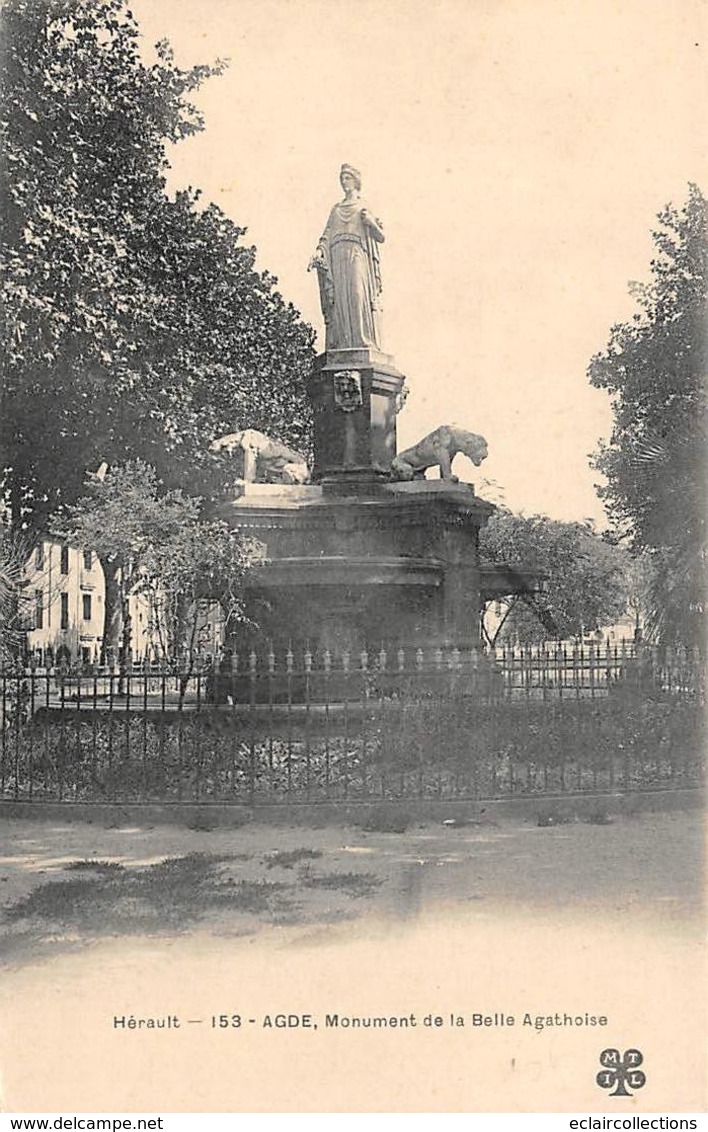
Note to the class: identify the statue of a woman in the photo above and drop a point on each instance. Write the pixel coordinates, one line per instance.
(347, 265)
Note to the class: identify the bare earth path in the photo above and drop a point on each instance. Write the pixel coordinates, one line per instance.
(500, 920)
(67, 884)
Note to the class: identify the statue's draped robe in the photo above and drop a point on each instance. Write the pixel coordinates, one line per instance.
(350, 281)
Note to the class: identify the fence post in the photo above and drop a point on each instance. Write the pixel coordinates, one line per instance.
(252, 675)
(345, 734)
(327, 669)
(289, 670)
(308, 721)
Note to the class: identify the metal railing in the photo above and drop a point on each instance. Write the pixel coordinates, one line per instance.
(306, 726)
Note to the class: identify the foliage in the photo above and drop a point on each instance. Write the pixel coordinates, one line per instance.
(14, 551)
(136, 325)
(654, 368)
(640, 576)
(583, 574)
(155, 543)
(201, 560)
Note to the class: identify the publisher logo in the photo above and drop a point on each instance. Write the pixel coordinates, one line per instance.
(621, 1071)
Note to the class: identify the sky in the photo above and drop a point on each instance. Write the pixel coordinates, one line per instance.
(517, 153)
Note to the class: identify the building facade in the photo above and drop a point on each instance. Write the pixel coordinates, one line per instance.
(63, 612)
(64, 605)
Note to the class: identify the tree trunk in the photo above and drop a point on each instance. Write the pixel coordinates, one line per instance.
(16, 502)
(113, 624)
(186, 633)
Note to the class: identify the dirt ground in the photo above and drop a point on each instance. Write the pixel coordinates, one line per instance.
(219, 928)
(66, 886)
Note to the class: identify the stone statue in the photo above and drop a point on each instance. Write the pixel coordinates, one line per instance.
(263, 460)
(439, 448)
(347, 265)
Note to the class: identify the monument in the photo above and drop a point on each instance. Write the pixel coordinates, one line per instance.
(355, 390)
(370, 552)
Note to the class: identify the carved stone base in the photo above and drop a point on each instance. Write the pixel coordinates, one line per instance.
(355, 395)
(398, 565)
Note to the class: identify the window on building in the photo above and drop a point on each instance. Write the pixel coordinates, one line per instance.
(86, 600)
(38, 609)
(64, 611)
(39, 557)
(88, 559)
(64, 560)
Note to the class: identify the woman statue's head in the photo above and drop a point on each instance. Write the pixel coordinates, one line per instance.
(351, 175)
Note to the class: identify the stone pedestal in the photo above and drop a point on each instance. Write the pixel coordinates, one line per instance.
(356, 560)
(355, 396)
(397, 566)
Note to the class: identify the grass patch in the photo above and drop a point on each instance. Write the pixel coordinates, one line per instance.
(169, 896)
(202, 825)
(64, 901)
(288, 858)
(90, 865)
(599, 817)
(353, 884)
(554, 818)
(386, 819)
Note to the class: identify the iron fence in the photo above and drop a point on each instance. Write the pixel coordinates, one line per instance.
(389, 724)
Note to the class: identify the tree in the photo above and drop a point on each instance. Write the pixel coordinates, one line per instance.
(156, 543)
(14, 551)
(655, 370)
(584, 584)
(640, 578)
(200, 562)
(136, 325)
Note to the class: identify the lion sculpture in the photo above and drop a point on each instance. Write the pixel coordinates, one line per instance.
(263, 460)
(439, 448)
